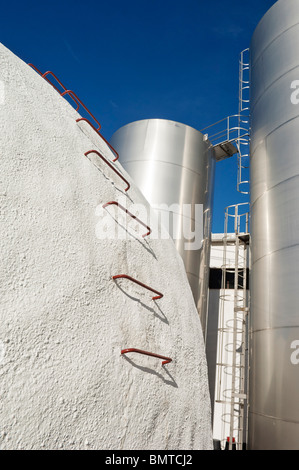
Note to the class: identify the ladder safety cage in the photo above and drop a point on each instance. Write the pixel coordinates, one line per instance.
(231, 371)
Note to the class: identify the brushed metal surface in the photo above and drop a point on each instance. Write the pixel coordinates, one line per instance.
(275, 406)
(274, 378)
(173, 164)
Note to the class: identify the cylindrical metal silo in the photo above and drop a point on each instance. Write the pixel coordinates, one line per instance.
(274, 364)
(173, 165)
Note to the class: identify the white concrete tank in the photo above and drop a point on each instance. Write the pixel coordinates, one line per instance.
(63, 320)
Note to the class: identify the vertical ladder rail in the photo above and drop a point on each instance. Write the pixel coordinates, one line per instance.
(243, 139)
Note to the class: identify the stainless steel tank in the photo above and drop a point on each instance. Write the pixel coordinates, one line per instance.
(173, 165)
(274, 364)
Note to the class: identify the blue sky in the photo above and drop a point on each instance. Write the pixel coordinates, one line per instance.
(131, 60)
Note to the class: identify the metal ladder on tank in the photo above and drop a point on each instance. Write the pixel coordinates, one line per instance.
(243, 138)
(235, 129)
(231, 376)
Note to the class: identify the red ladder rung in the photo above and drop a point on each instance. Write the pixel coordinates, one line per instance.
(130, 214)
(110, 166)
(57, 80)
(70, 93)
(44, 75)
(125, 276)
(64, 88)
(76, 99)
(36, 69)
(109, 145)
(166, 360)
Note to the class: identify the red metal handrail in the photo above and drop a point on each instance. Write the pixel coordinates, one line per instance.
(76, 99)
(125, 276)
(130, 214)
(110, 166)
(109, 145)
(166, 360)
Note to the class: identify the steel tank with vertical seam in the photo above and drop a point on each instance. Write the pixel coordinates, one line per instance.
(173, 165)
(274, 162)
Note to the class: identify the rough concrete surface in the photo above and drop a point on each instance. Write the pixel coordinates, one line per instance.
(63, 321)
